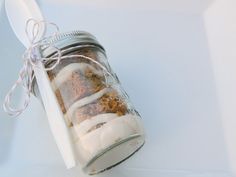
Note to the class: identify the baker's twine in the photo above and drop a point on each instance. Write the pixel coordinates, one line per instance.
(36, 33)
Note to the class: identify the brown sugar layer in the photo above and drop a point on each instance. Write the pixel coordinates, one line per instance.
(110, 102)
(79, 83)
(90, 52)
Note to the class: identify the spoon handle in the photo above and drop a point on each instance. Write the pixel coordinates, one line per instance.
(55, 116)
(18, 12)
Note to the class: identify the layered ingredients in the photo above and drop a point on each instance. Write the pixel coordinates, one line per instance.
(97, 113)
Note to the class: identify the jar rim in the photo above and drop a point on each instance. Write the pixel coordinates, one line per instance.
(68, 39)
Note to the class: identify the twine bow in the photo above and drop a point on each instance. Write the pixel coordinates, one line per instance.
(31, 57)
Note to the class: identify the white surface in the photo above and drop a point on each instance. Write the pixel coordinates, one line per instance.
(177, 65)
(221, 29)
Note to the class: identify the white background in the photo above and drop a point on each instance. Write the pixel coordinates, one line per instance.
(177, 61)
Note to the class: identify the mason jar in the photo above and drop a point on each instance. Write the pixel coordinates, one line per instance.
(105, 127)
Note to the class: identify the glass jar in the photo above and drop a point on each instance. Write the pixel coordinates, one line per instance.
(104, 125)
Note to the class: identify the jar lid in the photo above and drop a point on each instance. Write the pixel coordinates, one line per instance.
(68, 39)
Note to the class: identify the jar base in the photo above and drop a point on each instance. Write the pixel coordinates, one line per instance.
(114, 154)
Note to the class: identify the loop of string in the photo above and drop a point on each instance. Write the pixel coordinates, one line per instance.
(31, 57)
